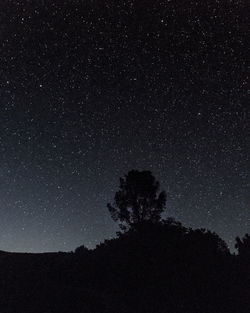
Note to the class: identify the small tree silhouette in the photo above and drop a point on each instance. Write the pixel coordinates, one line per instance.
(243, 247)
(138, 200)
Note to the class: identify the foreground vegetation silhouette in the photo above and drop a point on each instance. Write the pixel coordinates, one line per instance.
(137, 200)
(152, 266)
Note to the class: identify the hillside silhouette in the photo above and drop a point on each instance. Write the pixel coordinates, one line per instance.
(152, 266)
(159, 268)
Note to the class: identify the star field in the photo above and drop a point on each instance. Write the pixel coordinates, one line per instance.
(92, 89)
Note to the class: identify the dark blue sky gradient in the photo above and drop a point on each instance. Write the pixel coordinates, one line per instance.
(93, 89)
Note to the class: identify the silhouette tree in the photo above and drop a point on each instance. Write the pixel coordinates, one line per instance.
(138, 200)
(243, 273)
(243, 247)
(81, 250)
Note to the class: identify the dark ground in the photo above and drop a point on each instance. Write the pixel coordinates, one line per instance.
(164, 268)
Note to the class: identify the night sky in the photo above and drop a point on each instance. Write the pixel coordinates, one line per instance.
(92, 89)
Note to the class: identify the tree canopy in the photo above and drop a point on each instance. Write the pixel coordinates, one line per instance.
(138, 200)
